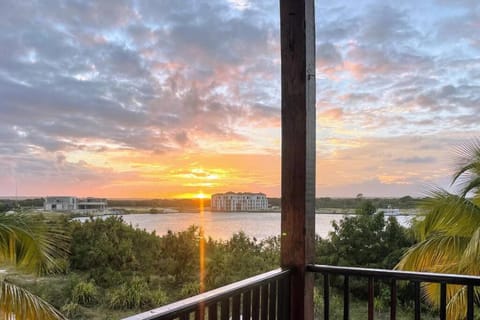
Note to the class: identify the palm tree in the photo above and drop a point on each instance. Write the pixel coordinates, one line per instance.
(28, 243)
(449, 236)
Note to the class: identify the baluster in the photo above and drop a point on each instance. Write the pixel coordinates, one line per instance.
(272, 301)
(393, 299)
(284, 299)
(346, 298)
(247, 304)
(417, 300)
(213, 311)
(470, 297)
(256, 303)
(236, 307)
(225, 309)
(370, 298)
(326, 297)
(200, 313)
(264, 303)
(443, 301)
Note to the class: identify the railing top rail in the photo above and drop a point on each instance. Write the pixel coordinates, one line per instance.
(212, 295)
(397, 274)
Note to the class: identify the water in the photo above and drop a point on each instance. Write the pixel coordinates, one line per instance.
(221, 226)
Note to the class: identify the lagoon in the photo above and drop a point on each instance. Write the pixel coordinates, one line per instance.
(222, 225)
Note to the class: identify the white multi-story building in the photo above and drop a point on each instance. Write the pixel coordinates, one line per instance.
(66, 203)
(243, 201)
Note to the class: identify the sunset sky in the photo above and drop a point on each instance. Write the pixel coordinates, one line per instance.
(159, 99)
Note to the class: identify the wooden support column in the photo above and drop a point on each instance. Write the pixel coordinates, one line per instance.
(297, 21)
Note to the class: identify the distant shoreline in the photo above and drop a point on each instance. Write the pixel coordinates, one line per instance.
(146, 211)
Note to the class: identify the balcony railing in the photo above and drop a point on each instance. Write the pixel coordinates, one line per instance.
(267, 296)
(417, 278)
(260, 297)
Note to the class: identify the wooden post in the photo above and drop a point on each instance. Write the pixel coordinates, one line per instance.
(297, 21)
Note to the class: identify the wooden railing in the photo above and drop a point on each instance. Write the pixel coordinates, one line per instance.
(393, 276)
(267, 296)
(262, 297)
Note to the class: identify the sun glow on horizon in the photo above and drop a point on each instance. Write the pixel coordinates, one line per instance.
(201, 195)
(192, 195)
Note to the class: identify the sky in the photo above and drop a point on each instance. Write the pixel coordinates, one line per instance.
(162, 99)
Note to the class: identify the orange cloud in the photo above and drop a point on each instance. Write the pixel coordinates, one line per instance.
(332, 114)
(393, 179)
(358, 70)
(143, 175)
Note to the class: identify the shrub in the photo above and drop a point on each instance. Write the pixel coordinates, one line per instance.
(135, 295)
(85, 293)
(71, 310)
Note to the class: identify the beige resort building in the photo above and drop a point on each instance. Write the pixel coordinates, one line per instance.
(242, 201)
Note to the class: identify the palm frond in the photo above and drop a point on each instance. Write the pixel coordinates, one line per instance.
(470, 260)
(471, 184)
(18, 303)
(468, 167)
(449, 236)
(456, 299)
(448, 213)
(438, 253)
(32, 244)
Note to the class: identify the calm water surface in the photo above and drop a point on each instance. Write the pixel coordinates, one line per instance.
(221, 226)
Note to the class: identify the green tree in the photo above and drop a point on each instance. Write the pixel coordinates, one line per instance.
(239, 258)
(366, 208)
(109, 249)
(449, 236)
(29, 243)
(364, 241)
(108, 252)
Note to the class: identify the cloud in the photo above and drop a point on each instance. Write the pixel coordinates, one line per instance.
(328, 55)
(389, 166)
(415, 159)
(359, 97)
(182, 138)
(335, 24)
(94, 81)
(96, 88)
(385, 25)
(80, 86)
(372, 188)
(332, 114)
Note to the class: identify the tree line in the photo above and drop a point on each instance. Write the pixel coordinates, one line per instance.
(406, 202)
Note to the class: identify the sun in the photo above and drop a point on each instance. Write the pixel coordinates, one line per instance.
(201, 195)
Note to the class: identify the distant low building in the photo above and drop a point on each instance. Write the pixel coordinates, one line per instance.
(74, 204)
(91, 204)
(243, 201)
(60, 203)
